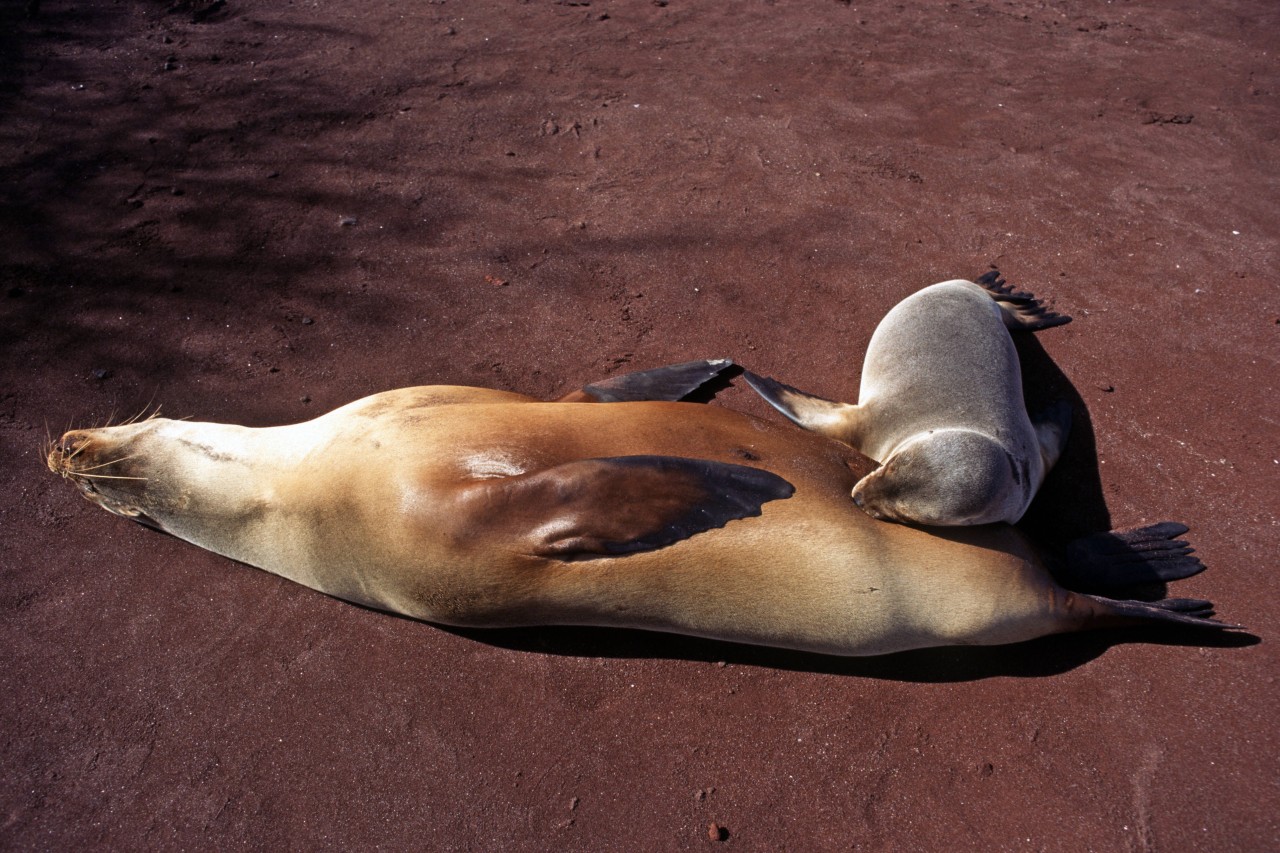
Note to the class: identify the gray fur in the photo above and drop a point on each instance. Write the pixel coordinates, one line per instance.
(941, 406)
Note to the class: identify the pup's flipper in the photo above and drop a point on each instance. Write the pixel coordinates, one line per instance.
(809, 411)
(1052, 425)
(1129, 558)
(673, 382)
(614, 506)
(1022, 311)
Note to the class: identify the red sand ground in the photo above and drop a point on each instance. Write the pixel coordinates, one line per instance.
(260, 210)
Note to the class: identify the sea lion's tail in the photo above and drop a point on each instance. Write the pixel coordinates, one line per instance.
(1021, 309)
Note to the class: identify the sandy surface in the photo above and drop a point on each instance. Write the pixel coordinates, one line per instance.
(256, 211)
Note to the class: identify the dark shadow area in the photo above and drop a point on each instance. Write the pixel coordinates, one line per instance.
(185, 216)
(191, 209)
(15, 29)
(708, 390)
(1038, 658)
(154, 196)
(1070, 504)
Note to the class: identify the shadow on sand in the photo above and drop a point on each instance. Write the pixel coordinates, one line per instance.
(1034, 659)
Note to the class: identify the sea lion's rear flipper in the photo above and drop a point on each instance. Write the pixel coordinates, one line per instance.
(1109, 612)
(1021, 310)
(615, 506)
(809, 411)
(671, 383)
(1052, 426)
(1144, 556)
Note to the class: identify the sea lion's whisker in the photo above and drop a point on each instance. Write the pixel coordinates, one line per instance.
(142, 416)
(103, 476)
(112, 462)
(73, 454)
(47, 449)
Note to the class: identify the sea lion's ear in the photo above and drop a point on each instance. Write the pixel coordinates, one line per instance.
(808, 410)
(671, 383)
(619, 505)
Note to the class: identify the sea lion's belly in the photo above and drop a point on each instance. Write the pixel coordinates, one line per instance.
(812, 575)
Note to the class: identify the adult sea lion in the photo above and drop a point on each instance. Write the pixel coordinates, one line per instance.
(475, 507)
(940, 405)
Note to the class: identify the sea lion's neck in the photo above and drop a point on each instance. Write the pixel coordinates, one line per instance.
(209, 483)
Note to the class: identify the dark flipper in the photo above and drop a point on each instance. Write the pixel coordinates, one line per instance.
(1021, 309)
(1181, 611)
(614, 506)
(1129, 558)
(673, 382)
(809, 411)
(1052, 425)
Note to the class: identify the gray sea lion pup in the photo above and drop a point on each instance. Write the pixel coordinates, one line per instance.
(473, 507)
(940, 405)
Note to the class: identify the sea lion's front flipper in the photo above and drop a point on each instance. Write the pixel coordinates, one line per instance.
(614, 506)
(1141, 557)
(671, 383)
(809, 411)
(1021, 310)
(1052, 426)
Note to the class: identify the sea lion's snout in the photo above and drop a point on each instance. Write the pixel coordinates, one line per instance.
(63, 456)
(861, 500)
(101, 466)
(943, 477)
(877, 493)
